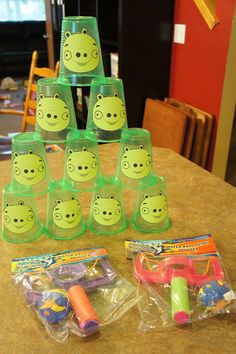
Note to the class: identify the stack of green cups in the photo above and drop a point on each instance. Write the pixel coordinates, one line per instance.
(81, 65)
(135, 171)
(29, 178)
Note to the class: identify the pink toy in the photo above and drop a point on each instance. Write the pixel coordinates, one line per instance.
(179, 272)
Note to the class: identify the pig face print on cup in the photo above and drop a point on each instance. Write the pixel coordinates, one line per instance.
(106, 211)
(18, 218)
(109, 112)
(28, 169)
(154, 208)
(136, 163)
(52, 113)
(80, 52)
(82, 166)
(67, 214)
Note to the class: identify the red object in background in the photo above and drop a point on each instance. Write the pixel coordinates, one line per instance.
(198, 66)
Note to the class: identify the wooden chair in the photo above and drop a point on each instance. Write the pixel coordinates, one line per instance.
(28, 115)
(204, 126)
(166, 124)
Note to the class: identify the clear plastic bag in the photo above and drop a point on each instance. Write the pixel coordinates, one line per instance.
(181, 284)
(74, 291)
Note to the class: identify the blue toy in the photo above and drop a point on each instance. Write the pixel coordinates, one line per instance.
(54, 305)
(213, 295)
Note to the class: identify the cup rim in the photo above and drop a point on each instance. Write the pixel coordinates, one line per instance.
(126, 133)
(146, 231)
(49, 81)
(37, 235)
(26, 138)
(78, 18)
(80, 134)
(103, 232)
(58, 184)
(151, 181)
(55, 237)
(8, 189)
(107, 180)
(106, 80)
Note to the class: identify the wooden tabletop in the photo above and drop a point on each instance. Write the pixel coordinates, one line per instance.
(199, 203)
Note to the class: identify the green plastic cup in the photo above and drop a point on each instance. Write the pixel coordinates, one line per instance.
(80, 56)
(107, 111)
(29, 172)
(64, 220)
(134, 167)
(82, 162)
(107, 213)
(55, 115)
(20, 219)
(151, 212)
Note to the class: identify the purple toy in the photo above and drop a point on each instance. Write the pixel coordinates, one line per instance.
(65, 277)
(70, 275)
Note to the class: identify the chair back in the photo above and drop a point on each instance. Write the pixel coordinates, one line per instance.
(166, 124)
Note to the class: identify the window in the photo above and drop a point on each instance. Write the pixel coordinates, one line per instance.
(22, 10)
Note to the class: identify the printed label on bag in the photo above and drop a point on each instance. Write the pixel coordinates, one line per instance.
(50, 261)
(203, 244)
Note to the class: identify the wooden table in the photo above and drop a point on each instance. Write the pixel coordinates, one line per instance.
(199, 203)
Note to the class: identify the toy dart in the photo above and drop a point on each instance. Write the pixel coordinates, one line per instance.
(178, 272)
